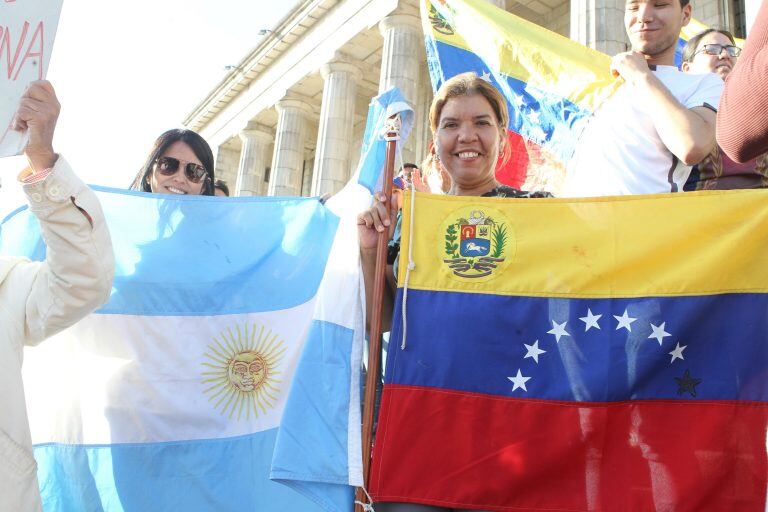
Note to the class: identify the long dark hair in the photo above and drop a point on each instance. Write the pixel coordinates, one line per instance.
(198, 145)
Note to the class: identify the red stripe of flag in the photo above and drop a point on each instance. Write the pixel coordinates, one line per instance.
(466, 450)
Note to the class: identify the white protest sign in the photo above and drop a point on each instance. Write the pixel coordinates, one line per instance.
(27, 30)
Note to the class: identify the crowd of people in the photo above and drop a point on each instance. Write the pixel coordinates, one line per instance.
(704, 126)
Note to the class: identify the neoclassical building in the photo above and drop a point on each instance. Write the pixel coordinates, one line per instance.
(289, 118)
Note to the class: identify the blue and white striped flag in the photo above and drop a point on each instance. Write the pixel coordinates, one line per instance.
(172, 396)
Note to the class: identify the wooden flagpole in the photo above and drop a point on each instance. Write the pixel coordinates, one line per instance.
(374, 344)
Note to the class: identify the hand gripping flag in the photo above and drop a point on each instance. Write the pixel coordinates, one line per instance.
(579, 355)
(172, 396)
(552, 84)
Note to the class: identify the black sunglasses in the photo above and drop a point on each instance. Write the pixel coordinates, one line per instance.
(167, 166)
(717, 49)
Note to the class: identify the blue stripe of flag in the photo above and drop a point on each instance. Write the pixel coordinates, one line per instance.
(480, 343)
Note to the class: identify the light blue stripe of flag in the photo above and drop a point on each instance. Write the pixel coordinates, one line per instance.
(217, 475)
(197, 255)
(373, 151)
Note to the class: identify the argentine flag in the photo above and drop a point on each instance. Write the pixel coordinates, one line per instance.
(224, 372)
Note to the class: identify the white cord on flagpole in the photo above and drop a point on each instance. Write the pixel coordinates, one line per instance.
(367, 507)
(411, 264)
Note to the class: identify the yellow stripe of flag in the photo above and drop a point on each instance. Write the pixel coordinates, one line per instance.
(657, 245)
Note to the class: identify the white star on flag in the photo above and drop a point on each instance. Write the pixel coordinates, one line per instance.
(624, 321)
(533, 115)
(534, 351)
(677, 353)
(519, 381)
(590, 320)
(558, 330)
(659, 333)
(518, 99)
(486, 76)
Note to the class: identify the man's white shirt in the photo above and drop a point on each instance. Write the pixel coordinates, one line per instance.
(620, 151)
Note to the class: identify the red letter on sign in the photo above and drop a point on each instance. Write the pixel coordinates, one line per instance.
(40, 50)
(5, 43)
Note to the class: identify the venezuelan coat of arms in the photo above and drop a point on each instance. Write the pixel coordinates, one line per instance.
(478, 243)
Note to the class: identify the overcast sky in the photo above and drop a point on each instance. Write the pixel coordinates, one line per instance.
(125, 72)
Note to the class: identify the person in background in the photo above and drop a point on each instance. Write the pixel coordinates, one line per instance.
(742, 122)
(220, 188)
(180, 162)
(38, 299)
(437, 179)
(715, 51)
(410, 176)
(647, 135)
(404, 178)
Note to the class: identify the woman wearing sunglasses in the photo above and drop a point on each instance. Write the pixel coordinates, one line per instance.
(715, 51)
(181, 162)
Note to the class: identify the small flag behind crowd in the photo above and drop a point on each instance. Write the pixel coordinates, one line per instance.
(579, 355)
(552, 84)
(373, 151)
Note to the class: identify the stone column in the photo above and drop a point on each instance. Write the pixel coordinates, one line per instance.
(290, 138)
(253, 160)
(226, 164)
(599, 24)
(400, 54)
(400, 57)
(334, 134)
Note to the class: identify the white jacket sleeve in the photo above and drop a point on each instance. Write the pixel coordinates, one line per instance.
(76, 276)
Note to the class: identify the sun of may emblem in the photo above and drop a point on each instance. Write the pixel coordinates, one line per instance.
(478, 244)
(241, 369)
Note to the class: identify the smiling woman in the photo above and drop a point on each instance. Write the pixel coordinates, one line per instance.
(468, 118)
(181, 162)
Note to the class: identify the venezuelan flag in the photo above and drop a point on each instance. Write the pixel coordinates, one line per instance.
(552, 84)
(582, 354)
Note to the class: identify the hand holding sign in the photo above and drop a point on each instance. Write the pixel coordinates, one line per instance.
(37, 115)
(27, 29)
